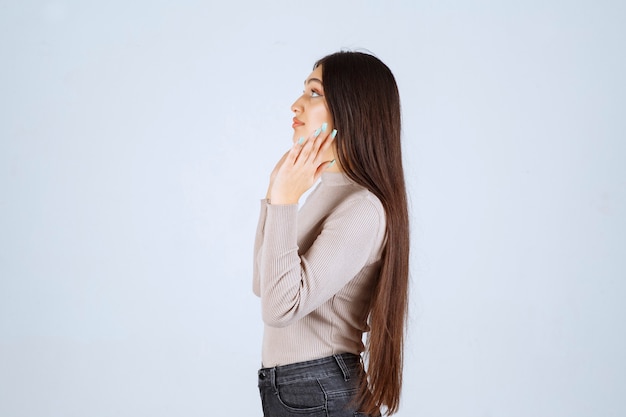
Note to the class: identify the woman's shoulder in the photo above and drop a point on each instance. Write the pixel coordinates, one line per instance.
(362, 196)
(362, 214)
(358, 200)
(350, 190)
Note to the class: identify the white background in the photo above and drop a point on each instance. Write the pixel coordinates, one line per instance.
(136, 138)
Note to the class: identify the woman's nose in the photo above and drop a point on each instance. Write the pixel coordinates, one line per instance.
(296, 107)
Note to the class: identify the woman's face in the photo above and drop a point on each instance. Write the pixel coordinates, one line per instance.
(310, 108)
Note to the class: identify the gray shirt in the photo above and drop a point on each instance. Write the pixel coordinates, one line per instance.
(315, 270)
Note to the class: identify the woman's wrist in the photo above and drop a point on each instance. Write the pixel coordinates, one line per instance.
(277, 198)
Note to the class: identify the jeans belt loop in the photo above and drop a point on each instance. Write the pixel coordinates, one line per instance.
(343, 367)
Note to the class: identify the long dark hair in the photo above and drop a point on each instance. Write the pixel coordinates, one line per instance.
(362, 97)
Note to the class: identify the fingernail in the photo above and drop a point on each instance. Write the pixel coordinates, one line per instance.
(333, 134)
(331, 163)
(324, 126)
(317, 132)
(300, 141)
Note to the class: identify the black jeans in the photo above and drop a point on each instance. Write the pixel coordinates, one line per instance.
(319, 388)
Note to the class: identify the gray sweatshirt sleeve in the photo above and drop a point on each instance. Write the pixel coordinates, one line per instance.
(258, 248)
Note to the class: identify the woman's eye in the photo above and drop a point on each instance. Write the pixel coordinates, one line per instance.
(313, 93)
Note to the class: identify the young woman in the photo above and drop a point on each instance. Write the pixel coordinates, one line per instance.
(337, 267)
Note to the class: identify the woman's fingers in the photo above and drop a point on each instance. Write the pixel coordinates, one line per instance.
(323, 167)
(302, 166)
(307, 146)
(314, 147)
(327, 143)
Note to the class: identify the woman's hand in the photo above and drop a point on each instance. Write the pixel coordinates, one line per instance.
(301, 167)
(268, 195)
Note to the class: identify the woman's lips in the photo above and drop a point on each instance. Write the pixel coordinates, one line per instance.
(296, 123)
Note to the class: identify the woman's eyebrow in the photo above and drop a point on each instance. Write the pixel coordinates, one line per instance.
(313, 79)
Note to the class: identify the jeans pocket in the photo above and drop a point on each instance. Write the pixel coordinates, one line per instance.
(303, 396)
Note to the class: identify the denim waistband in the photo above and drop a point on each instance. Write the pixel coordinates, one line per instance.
(345, 364)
